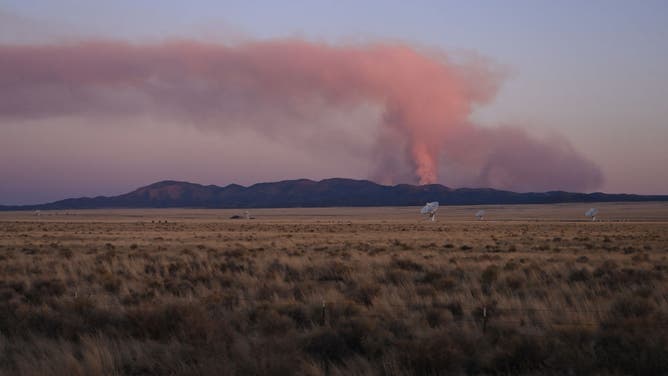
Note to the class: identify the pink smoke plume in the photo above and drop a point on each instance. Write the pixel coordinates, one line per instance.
(425, 98)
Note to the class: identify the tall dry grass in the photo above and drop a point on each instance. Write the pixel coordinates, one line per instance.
(253, 297)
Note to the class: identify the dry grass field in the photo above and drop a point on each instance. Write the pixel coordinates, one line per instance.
(338, 291)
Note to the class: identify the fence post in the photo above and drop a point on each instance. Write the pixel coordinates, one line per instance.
(324, 310)
(484, 319)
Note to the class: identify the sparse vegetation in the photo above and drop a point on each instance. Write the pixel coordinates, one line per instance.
(148, 296)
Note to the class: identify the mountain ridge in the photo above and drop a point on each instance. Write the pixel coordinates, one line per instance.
(323, 193)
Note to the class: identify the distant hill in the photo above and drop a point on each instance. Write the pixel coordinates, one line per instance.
(308, 193)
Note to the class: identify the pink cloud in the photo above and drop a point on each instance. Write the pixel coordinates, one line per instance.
(279, 87)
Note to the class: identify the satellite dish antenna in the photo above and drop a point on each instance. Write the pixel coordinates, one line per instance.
(430, 209)
(592, 213)
(480, 215)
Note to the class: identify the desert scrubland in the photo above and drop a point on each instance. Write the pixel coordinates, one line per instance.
(338, 291)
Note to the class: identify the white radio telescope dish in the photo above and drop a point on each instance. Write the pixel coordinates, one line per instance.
(430, 209)
(480, 215)
(592, 213)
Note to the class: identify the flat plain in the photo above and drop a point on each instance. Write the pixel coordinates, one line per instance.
(529, 289)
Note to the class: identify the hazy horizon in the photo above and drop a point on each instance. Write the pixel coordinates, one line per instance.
(264, 182)
(101, 98)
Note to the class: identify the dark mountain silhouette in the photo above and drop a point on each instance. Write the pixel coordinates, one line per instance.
(308, 193)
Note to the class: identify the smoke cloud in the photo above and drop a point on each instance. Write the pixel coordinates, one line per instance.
(281, 88)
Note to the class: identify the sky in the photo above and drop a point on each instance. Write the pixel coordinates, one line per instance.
(103, 97)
